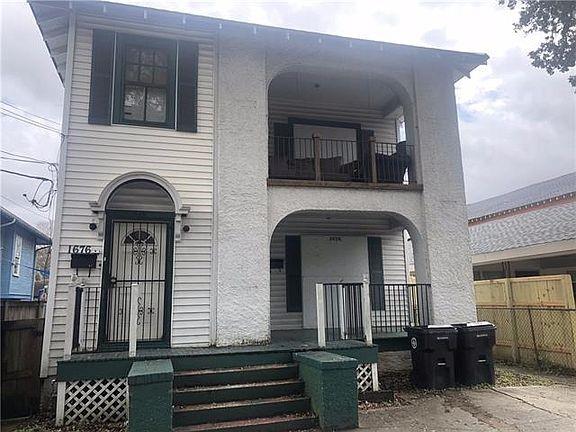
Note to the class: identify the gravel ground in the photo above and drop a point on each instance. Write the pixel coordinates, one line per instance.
(506, 376)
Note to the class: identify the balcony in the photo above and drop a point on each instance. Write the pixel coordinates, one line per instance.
(318, 161)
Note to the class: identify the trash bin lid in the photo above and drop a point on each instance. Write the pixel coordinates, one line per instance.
(474, 324)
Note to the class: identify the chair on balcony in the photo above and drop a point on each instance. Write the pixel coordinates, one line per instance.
(392, 168)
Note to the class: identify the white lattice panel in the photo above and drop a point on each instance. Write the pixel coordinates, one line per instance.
(96, 401)
(367, 377)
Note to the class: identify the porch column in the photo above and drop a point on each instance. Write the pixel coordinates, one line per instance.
(444, 203)
(243, 250)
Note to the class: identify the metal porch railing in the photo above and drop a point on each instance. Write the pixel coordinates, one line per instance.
(321, 159)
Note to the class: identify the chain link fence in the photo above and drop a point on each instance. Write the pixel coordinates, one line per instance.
(541, 337)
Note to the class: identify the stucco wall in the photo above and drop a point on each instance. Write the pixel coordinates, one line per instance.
(243, 303)
(443, 198)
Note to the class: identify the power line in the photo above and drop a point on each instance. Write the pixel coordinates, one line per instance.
(31, 114)
(26, 157)
(26, 175)
(24, 119)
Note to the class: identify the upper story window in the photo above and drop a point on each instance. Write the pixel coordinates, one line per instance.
(17, 256)
(143, 81)
(146, 71)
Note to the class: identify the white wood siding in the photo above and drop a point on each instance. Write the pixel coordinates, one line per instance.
(392, 255)
(98, 154)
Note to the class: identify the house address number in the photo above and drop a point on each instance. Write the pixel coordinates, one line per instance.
(82, 249)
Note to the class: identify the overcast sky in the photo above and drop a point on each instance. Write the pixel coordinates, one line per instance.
(517, 123)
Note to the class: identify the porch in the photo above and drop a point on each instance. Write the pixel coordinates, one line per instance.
(339, 129)
(274, 386)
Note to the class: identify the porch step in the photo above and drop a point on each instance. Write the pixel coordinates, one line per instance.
(239, 410)
(221, 358)
(272, 424)
(228, 393)
(236, 375)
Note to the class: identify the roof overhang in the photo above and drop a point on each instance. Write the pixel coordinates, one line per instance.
(53, 16)
(41, 238)
(543, 250)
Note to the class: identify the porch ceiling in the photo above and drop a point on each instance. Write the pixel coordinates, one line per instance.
(338, 223)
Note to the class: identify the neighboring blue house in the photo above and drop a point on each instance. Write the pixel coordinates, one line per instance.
(19, 242)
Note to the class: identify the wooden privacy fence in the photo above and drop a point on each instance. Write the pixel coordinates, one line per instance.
(22, 326)
(535, 318)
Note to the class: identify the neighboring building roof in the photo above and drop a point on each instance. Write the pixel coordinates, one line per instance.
(52, 19)
(538, 214)
(7, 217)
(543, 225)
(534, 193)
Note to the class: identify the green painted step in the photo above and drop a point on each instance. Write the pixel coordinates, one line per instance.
(221, 359)
(239, 410)
(250, 374)
(227, 393)
(267, 424)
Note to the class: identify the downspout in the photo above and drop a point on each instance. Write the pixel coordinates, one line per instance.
(60, 197)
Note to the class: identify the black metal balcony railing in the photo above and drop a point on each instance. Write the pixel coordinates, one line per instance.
(396, 306)
(322, 159)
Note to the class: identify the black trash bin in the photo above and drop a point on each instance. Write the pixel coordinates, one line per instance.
(474, 361)
(432, 348)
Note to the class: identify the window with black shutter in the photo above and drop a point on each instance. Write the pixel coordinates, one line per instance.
(155, 81)
(145, 78)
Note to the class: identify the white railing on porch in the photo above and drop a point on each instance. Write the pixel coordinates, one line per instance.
(349, 306)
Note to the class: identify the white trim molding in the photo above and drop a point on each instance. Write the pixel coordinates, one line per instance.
(99, 207)
(543, 250)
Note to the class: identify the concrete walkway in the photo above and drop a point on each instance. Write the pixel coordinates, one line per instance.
(530, 408)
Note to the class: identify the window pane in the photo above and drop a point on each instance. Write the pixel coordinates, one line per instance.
(134, 103)
(160, 75)
(132, 54)
(132, 72)
(156, 105)
(160, 58)
(146, 74)
(147, 57)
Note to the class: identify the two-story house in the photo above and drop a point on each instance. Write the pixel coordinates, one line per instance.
(237, 186)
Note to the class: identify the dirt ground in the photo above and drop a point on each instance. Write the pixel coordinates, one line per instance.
(522, 400)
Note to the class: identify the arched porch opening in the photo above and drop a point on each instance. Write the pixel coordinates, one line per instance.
(341, 249)
(337, 125)
(138, 263)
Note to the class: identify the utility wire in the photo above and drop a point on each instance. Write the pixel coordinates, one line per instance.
(26, 175)
(32, 114)
(24, 119)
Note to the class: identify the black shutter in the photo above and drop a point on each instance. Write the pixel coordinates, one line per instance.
(101, 77)
(376, 269)
(187, 120)
(293, 274)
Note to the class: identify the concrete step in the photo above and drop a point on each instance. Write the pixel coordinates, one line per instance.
(263, 424)
(242, 375)
(239, 410)
(222, 358)
(244, 391)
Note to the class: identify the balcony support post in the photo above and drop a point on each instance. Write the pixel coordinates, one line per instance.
(373, 168)
(317, 149)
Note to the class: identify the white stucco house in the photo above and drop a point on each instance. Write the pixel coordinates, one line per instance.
(227, 168)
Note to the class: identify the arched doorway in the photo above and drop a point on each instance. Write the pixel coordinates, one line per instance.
(343, 248)
(138, 249)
